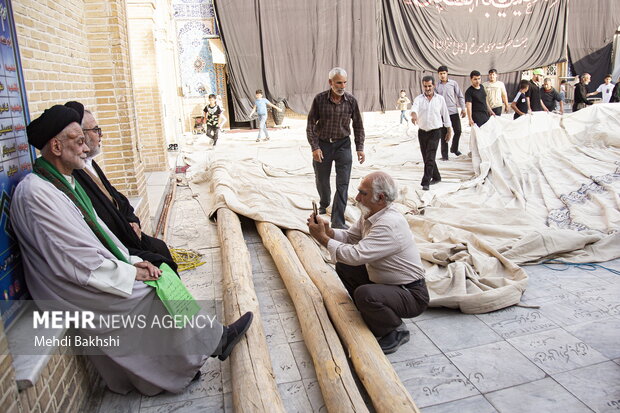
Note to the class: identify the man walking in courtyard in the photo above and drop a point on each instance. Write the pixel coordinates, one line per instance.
(329, 135)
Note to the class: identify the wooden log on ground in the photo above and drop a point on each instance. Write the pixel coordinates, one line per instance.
(254, 388)
(339, 390)
(387, 392)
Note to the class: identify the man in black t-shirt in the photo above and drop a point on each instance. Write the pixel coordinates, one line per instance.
(519, 104)
(478, 110)
(212, 118)
(534, 92)
(549, 96)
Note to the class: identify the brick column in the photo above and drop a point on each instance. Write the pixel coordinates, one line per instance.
(151, 129)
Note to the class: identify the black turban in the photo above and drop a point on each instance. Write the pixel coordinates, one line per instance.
(51, 122)
(78, 107)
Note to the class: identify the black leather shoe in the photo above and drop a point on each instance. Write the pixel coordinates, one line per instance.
(233, 333)
(435, 181)
(457, 153)
(425, 187)
(393, 340)
(445, 158)
(322, 211)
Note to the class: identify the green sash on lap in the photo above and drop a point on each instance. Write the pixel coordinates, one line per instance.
(173, 294)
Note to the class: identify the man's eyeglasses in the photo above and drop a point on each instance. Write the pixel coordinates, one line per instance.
(96, 130)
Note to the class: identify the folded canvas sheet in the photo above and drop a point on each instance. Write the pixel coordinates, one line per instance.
(540, 187)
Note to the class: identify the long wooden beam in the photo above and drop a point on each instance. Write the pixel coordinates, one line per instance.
(330, 363)
(387, 392)
(254, 388)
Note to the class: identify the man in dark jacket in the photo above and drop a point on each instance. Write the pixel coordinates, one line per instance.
(112, 207)
(581, 93)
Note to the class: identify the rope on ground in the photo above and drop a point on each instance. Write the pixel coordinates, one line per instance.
(587, 266)
(186, 259)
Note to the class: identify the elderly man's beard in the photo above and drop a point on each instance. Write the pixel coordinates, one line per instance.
(93, 152)
(365, 210)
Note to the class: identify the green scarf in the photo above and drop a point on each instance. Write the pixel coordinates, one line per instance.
(47, 171)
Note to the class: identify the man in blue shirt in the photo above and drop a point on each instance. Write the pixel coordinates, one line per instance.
(260, 107)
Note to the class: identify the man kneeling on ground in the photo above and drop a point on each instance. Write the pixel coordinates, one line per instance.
(378, 261)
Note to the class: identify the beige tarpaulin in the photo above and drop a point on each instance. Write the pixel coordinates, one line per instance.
(543, 186)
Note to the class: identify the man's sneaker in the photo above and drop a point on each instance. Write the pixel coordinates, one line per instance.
(266, 139)
(257, 139)
(444, 158)
(393, 340)
(457, 153)
(425, 187)
(233, 333)
(435, 181)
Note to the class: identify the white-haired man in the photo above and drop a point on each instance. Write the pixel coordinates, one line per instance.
(378, 261)
(328, 132)
(73, 263)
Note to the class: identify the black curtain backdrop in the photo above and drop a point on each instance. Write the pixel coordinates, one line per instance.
(591, 28)
(505, 35)
(287, 47)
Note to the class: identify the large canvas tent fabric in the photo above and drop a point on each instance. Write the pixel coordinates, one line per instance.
(544, 186)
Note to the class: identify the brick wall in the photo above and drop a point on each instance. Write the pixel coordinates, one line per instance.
(78, 50)
(141, 14)
(9, 396)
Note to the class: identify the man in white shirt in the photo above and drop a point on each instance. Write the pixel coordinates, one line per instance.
(74, 263)
(378, 261)
(605, 89)
(430, 113)
(496, 93)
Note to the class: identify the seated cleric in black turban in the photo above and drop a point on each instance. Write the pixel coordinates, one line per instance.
(51, 122)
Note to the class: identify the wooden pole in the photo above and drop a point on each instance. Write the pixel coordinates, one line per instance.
(374, 369)
(254, 387)
(339, 390)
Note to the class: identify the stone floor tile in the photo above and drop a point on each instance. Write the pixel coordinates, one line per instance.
(434, 380)
(291, 326)
(119, 403)
(617, 361)
(274, 332)
(433, 312)
(228, 403)
(475, 404)
(211, 404)
(459, 332)
(266, 304)
(282, 301)
(571, 310)
(597, 386)
(294, 397)
(602, 335)
(283, 362)
(419, 345)
(313, 390)
(495, 366)
(210, 384)
(273, 280)
(556, 351)
(303, 360)
(539, 396)
(516, 321)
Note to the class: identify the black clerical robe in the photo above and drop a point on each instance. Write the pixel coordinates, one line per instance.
(118, 214)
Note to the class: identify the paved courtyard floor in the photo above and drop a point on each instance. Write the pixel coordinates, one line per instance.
(559, 352)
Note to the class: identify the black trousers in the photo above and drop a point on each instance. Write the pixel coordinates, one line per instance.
(382, 306)
(338, 152)
(154, 251)
(497, 110)
(212, 132)
(456, 130)
(429, 140)
(480, 118)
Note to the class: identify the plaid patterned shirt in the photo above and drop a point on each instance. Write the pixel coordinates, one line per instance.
(328, 120)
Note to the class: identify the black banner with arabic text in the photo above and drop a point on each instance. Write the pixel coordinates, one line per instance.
(466, 35)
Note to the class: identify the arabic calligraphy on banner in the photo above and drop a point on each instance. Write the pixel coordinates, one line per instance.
(466, 35)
